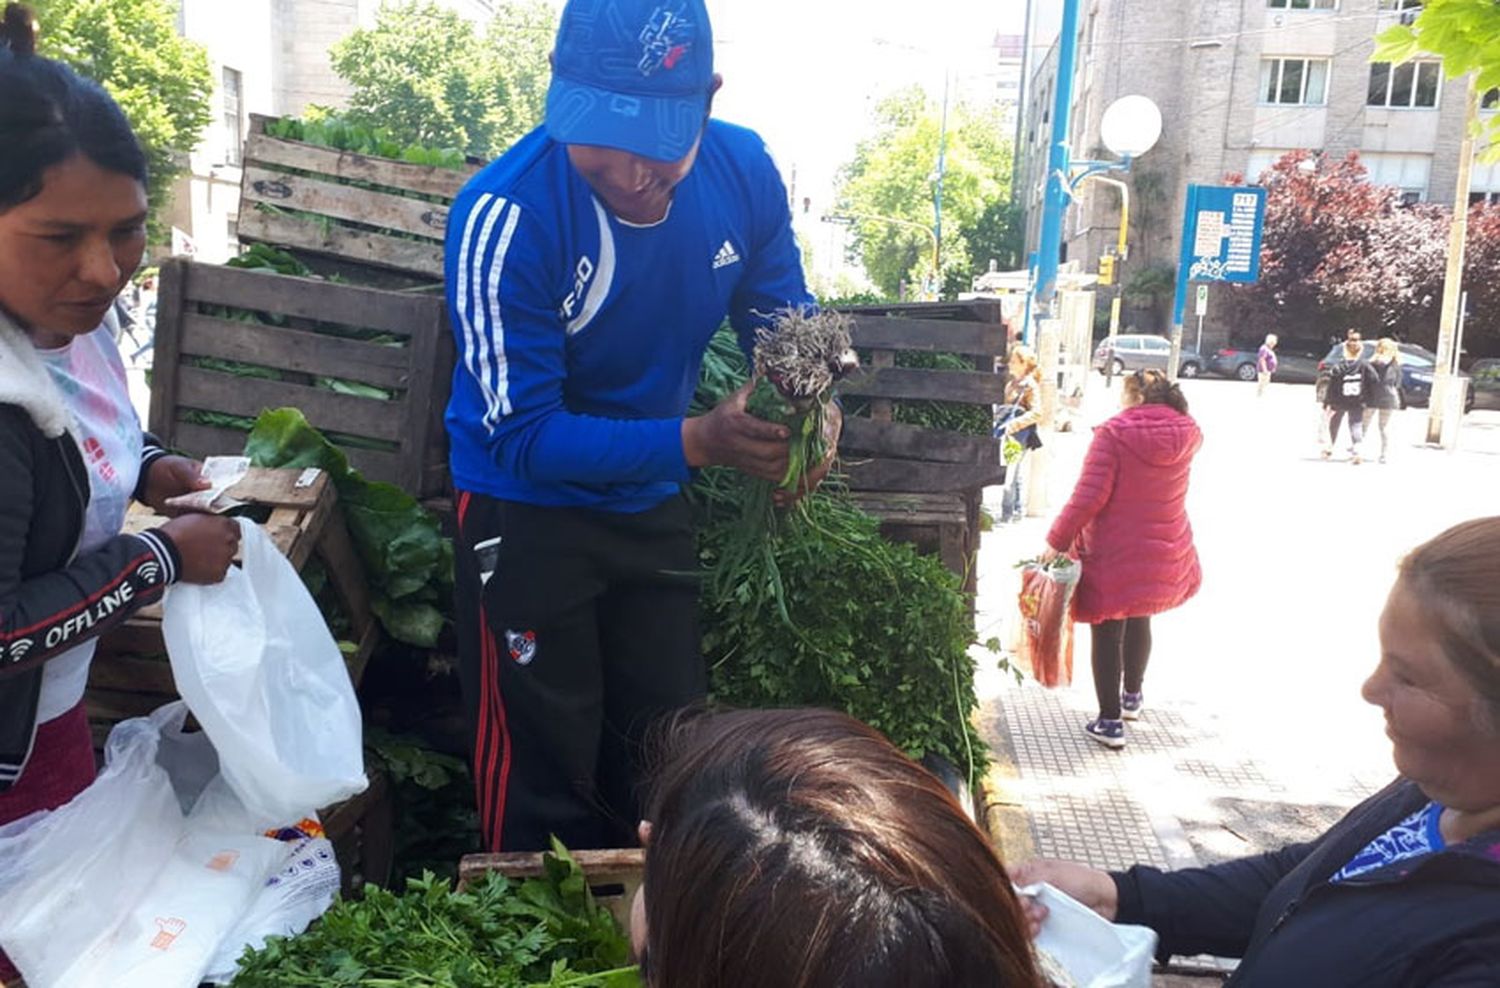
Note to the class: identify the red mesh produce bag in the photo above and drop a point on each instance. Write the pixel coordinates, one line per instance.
(1046, 620)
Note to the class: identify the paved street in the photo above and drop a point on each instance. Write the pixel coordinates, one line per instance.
(1255, 733)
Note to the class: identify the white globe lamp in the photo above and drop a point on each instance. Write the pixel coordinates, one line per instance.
(1131, 126)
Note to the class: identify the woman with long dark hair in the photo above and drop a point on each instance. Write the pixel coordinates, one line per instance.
(801, 849)
(72, 454)
(1127, 520)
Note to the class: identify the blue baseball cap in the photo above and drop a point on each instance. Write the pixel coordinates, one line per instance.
(632, 75)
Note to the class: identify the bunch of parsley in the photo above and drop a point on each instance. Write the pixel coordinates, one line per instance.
(544, 932)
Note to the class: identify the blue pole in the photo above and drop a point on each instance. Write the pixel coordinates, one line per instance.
(1059, 163)
(1184, 266)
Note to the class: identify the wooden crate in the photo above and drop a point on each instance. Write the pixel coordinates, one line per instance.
(130, 676)
(924, 484)
(401, 440)
(362, 830)
(314, 210)
(614, 875)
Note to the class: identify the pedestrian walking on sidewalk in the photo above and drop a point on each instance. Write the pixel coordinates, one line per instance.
(1017, 420)
(1385, 398)
(1265, 364)
(1351, 384)
(1127, 521)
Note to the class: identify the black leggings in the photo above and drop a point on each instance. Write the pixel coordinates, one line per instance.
(1122, 646)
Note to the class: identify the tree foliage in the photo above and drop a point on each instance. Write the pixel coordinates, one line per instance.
(426, 75)
(1342, 252)
(161, 80)
(1465, 34)
(891, 176)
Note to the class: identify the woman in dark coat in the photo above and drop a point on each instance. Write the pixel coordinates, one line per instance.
(1405, 889)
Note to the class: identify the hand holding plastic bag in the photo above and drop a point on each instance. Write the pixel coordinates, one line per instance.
(1091, 951)
(254, 660)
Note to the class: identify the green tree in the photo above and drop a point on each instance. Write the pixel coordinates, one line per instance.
(1465, 34)
(891, 176)
(519, 39)
(426, 75)
(161, 81)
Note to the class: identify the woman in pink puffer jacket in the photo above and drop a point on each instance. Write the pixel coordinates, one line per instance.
(1127, 521)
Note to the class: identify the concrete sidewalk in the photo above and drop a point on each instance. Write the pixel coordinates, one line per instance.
(1254, 734)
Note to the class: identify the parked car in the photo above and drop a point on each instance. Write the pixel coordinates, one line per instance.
(1296, 361)
(1417, 364)
(1143, 351)
(1484, 383)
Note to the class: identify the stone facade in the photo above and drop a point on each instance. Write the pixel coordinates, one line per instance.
(1201, 61)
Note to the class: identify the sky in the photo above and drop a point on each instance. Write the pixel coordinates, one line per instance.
(807, 73)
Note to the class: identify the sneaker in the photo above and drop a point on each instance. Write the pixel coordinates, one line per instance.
(1327, 454)
(1110, 733)
(1354, 459)
(1131, 705)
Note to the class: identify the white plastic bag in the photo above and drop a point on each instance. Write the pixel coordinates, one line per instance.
(174, 931)
(292, 898)
(255, 662)
(119, 887)
(1094, 952)
(68, 875)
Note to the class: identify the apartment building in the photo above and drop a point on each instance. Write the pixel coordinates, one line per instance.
(1240, 83)
(269, 57)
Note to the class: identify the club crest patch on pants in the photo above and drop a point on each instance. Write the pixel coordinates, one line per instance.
(522, 646)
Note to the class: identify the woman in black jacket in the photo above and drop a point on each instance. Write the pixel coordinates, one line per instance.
(1405, 889)
(1385, 397)
(72, 454)
(1351, 382)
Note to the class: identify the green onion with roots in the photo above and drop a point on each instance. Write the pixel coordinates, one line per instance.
(798, 359)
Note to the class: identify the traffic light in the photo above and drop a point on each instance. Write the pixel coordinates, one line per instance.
(1107, 270)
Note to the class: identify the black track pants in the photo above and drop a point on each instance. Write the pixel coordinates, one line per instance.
(577, 629)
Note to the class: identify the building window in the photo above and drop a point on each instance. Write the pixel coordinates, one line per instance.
(1411, 84)
(1303, 4)
(1294, 81)
(1484, 198)
(1407, 172)
(234, 131)
(1400, 4)
(1490, 100)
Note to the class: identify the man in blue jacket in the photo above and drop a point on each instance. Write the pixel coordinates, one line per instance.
(587, 269)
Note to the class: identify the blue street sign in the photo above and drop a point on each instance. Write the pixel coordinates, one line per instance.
(1221, 234)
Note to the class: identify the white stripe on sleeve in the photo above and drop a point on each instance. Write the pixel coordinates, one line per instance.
(473, 308)
(501, 388)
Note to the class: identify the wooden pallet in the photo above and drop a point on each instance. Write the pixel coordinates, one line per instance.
(130, 676)
(313, 208)
(306, 332)
(924, 484)
(614, 874)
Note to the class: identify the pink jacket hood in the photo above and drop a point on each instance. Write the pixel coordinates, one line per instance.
(1157, 434)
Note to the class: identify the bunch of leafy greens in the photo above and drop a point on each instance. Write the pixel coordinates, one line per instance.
(436, 822)
(333, 131)
(545, 932)
(407, 561)
(949, 416)
(829, 613)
